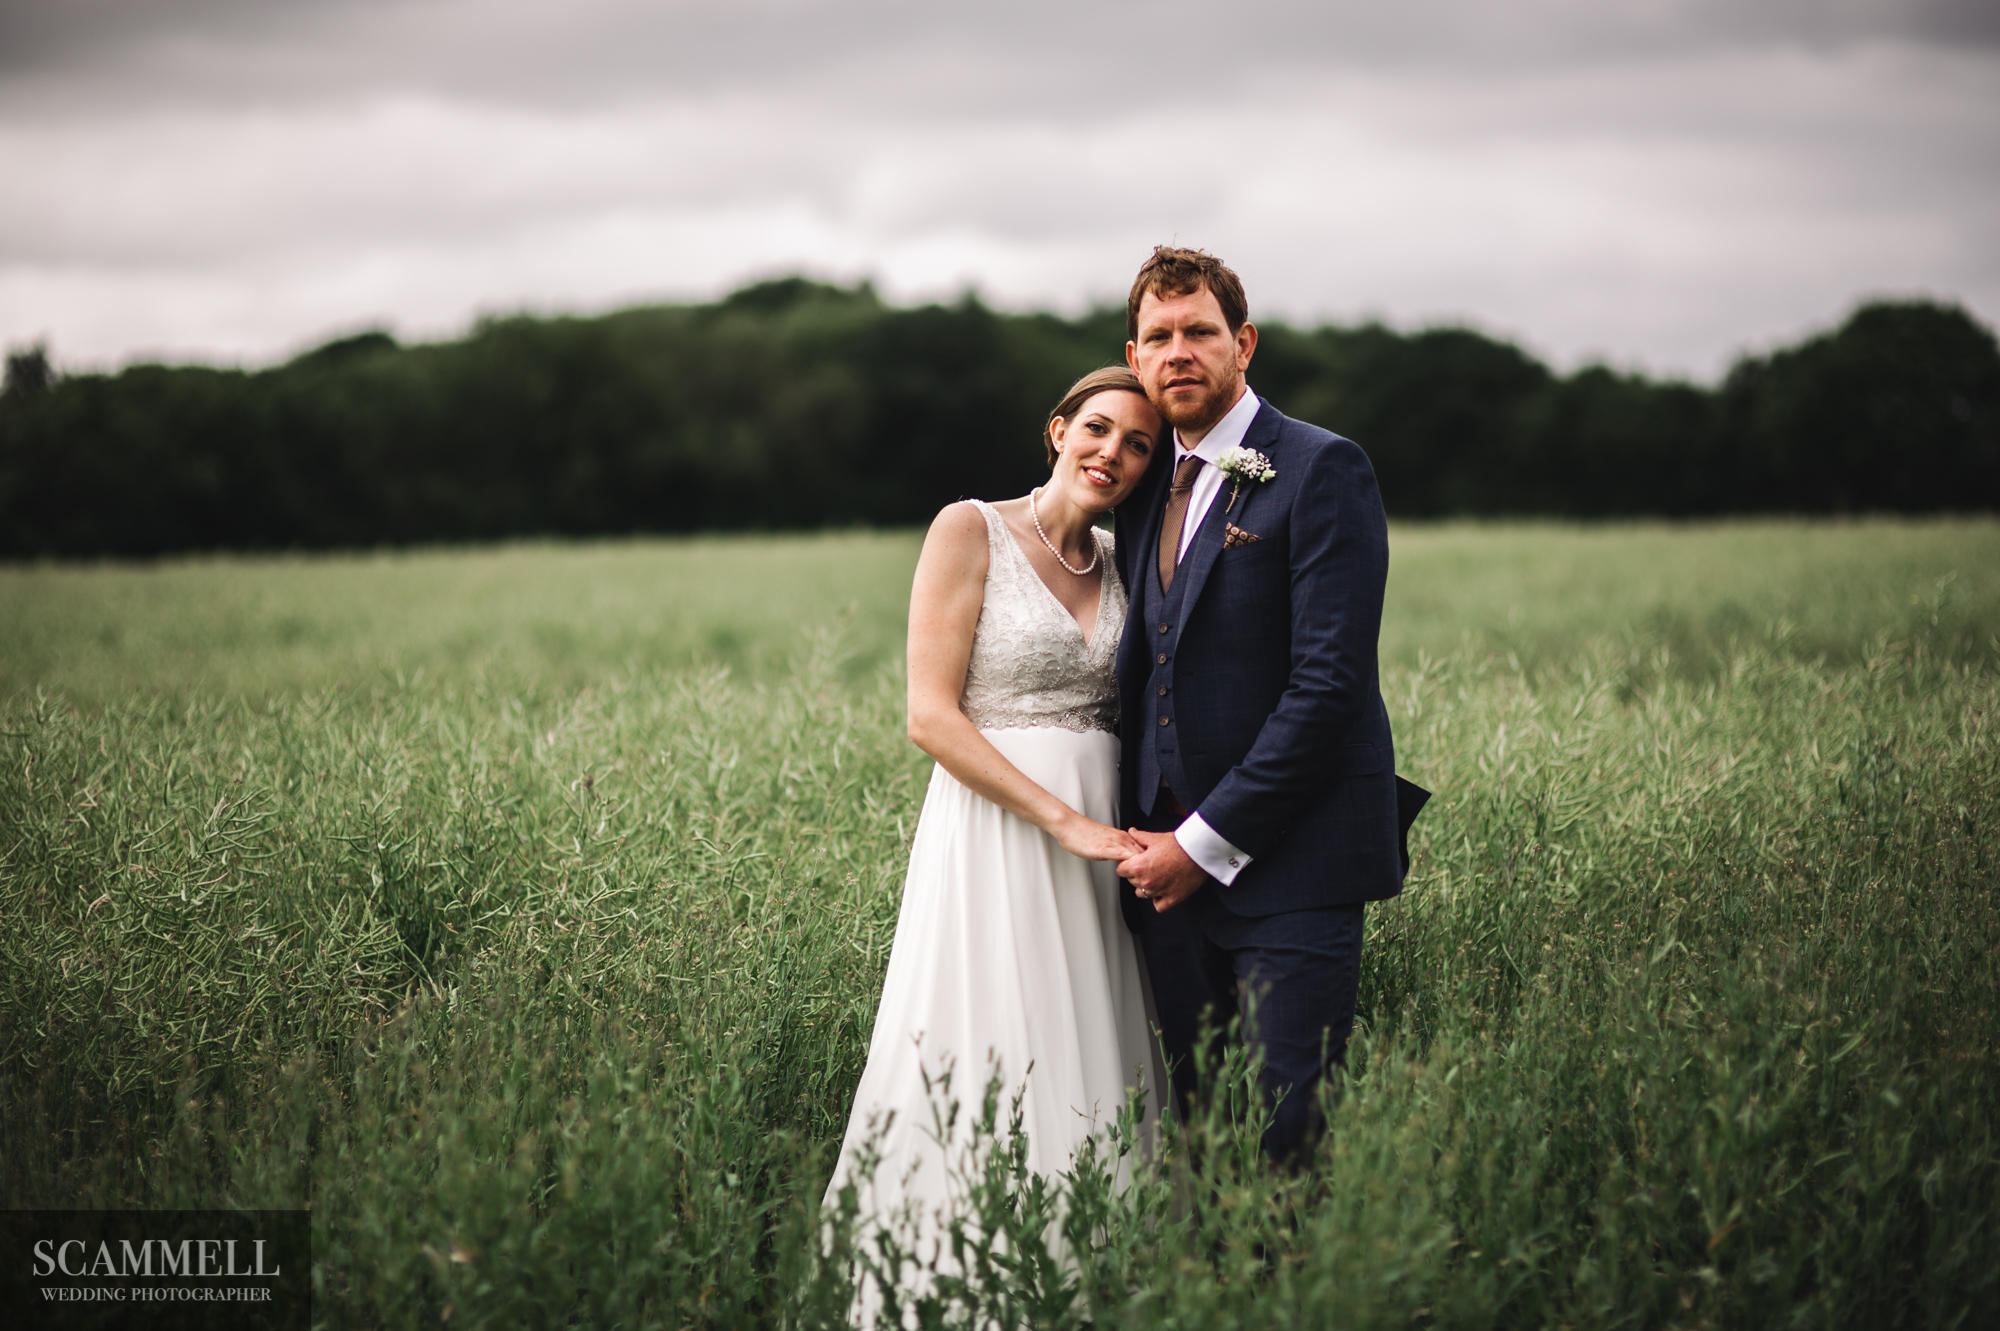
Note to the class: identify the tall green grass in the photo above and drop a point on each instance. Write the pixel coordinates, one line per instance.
(546, 990)
(570, 615)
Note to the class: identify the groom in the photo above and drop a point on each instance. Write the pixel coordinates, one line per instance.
(1257, 760)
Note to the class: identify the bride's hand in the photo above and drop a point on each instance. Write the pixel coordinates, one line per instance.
(1088, 840)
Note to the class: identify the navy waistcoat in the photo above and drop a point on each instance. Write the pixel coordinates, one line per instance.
(1160, 751)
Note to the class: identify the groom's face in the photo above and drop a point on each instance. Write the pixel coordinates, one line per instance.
(1189, 361)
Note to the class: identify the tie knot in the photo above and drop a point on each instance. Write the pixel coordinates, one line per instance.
(1184, 474)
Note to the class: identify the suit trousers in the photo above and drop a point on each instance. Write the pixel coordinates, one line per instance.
(1303, 969)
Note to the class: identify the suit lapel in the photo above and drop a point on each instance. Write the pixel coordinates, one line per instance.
(1156, 514)
(1144, 574)
(1262, 435)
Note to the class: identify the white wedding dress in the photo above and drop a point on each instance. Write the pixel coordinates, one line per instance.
(1010, 951)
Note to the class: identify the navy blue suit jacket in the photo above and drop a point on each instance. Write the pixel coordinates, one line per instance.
(1284, 739)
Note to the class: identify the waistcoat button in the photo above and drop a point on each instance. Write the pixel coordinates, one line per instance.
(1163, 720)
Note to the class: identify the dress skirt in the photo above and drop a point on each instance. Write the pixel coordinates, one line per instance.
(1011, 957)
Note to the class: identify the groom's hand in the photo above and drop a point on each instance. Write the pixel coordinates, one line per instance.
(1161, 872)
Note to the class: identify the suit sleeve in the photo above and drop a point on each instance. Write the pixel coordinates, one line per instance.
(1339, 563)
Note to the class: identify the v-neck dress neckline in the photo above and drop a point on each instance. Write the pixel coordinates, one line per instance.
(1031, 662)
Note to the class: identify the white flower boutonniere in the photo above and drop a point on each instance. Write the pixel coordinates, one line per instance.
(1241, 464)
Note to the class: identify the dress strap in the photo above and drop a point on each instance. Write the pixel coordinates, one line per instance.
(1000, 547)
(992, 516)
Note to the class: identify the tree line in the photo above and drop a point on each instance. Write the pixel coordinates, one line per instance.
(795, 404)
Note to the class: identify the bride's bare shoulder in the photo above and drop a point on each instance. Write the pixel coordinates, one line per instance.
(957, 538)
(958, 523)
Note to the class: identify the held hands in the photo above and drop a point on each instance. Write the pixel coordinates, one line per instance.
(1161, 872)
(1090, 840)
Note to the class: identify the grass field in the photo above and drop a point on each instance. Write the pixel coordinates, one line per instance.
(522, 911)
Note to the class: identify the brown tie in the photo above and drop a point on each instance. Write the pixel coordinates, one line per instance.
(1170, 528)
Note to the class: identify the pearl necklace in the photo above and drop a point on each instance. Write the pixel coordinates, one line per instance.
(1095, 551)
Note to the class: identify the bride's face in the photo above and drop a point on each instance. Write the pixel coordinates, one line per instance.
(1102, 450)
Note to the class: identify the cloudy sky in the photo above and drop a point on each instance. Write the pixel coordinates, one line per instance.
(1660, 183)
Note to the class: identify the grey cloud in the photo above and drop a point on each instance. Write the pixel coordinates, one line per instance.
(1657, 180)
(975, 57)
(71, 35)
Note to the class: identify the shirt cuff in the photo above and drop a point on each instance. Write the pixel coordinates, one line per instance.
(1215, 857)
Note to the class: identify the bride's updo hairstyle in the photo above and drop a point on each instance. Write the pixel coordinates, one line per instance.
(1112, 378)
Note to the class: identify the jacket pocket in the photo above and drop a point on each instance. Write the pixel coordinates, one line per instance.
(1360, 760)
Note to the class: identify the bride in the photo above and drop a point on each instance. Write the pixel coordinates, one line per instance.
(1010, 956)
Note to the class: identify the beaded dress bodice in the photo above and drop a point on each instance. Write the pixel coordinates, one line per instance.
(1030, 664)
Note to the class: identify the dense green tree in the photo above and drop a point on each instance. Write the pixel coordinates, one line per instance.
(1899, 409)
(28, 370)
(796, 404)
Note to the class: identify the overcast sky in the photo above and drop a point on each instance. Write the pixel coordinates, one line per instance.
(1659, 183)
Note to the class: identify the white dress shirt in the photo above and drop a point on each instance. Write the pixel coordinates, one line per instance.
(1203, 844)
(1227, 434)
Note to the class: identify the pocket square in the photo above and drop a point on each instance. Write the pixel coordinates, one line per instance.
(1234, 536)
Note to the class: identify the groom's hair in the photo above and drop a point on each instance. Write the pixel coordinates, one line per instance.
(1177, 272)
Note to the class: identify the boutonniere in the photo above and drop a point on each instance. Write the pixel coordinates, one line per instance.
(1241, 464)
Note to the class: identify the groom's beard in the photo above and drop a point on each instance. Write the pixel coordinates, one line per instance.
(1201, 416)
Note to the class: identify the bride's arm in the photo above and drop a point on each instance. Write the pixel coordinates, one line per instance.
(944, 611)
